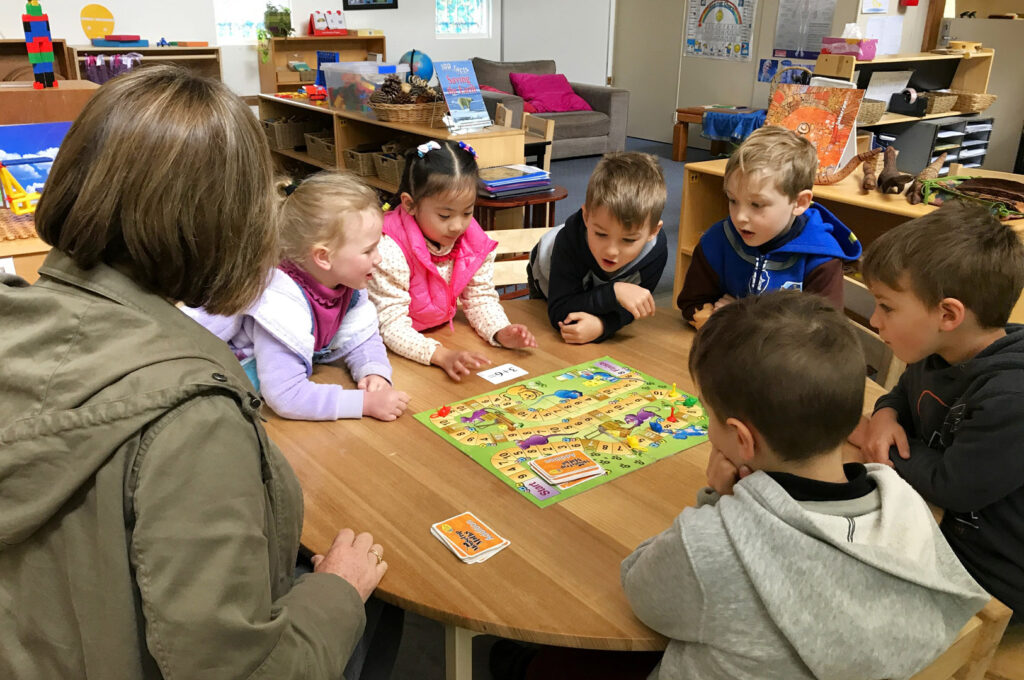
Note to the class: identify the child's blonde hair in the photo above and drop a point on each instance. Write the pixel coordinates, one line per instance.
(316, 212)
(780, 155)
(629, 185)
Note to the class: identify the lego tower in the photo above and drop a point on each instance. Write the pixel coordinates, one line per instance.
(37, 40)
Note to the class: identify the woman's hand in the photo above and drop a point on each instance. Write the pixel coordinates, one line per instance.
(357, 559)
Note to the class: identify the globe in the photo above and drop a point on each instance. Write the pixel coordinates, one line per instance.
(419, 64)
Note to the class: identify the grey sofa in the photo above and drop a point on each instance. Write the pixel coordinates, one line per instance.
(577, 133)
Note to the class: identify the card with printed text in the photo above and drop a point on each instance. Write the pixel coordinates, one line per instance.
(500, 374)
(468, 537)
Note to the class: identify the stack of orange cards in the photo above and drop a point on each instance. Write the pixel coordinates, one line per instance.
(470, 539)
(566, 466)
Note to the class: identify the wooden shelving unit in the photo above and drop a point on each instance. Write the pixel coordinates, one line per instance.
(496, 145)
(275, 76)
(14, 63)
(204, 61)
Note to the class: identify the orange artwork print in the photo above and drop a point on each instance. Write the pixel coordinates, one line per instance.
(824, 115)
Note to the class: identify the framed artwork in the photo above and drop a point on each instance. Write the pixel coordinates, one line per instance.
(369, 4)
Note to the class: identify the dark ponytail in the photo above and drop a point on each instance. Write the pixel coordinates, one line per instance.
(430, 171)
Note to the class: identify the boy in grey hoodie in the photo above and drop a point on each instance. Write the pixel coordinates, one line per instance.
(794, 565)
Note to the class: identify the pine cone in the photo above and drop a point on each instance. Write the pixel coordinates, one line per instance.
(416, 81)
(379, 97)
(402, 98)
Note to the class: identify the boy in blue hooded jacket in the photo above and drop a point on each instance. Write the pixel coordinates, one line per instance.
(775, 237)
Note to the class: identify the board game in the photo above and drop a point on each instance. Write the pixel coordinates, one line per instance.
(617, 416)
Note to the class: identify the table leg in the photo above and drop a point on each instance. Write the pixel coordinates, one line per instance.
(458, 653)
(551, 215)
(719, 147)
(680, 133)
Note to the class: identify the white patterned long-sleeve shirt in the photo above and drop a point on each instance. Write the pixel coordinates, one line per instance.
(389, 291)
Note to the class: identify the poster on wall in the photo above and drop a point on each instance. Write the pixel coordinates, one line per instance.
(720, 29)
(801, 26)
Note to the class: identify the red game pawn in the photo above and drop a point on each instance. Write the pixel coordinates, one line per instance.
(672, 416)
(444, 410)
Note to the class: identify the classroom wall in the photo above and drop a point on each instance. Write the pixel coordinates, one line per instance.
(409, 26)
(575, 33)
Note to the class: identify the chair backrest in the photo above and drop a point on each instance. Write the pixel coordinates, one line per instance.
(882, 365)
(541, 127)
(511, 257)
(502, 116)
(969, 656)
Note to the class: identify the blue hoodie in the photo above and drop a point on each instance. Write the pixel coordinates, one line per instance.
(744, 270)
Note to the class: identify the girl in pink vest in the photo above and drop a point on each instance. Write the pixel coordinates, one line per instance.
(434, 254)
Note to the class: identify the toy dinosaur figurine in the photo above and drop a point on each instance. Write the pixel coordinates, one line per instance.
(870, 181)
(891, 178)
(930, 172)
(833, 176)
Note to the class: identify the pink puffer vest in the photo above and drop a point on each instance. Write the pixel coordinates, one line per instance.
(433, 299)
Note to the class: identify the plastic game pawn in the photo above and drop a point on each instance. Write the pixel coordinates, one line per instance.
(632, 442)
(689, 401)
(673, 394)
(442, 412)
(672, 416)
(656, 426)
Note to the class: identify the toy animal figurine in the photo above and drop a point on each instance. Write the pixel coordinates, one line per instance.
(833, 176)
(930, 172)
(891, 178)
(870, 181)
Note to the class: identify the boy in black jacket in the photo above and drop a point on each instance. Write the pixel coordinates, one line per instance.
(953, 427)
(598, 270)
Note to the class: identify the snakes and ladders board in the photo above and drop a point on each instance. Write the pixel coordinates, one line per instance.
(617, 416)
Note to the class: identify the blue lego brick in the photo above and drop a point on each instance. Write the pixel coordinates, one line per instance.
(46, 67)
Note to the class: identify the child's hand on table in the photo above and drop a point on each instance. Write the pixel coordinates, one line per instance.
(580, 328)
(884, 432)
(722, 474)
(458, 364)
(637, 300)
(385, 404)
(515, 336)
(373, 383)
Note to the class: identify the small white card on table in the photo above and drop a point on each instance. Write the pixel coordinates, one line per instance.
(500, 374)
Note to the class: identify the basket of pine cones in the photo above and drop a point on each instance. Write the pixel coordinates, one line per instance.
(412, 102)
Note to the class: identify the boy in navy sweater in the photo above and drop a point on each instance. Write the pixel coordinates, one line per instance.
(944, 286)
(775, 238)
(598, 270)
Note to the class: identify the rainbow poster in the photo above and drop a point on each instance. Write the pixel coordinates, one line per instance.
(720, 29)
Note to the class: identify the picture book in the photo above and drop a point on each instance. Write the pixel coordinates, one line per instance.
(466, 110)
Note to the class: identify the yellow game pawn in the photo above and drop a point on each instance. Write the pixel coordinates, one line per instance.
(673, 394)
(632, 442)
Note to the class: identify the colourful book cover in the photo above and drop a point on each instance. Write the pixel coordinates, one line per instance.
(824, 115)
(462, 94)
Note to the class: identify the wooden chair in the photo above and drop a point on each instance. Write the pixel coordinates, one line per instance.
(970, 655)
(1008, 662)
(502, 116)
(882, 365)
(539, 134)
(512, 256)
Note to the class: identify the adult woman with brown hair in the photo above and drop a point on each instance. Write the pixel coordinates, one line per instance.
(148, 527)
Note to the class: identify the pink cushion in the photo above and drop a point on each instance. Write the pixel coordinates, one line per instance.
(549, 93)
(527, 106)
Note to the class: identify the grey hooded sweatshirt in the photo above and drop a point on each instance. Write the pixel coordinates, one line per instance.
(759, 585)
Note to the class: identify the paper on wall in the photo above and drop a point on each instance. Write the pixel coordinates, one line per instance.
(889, 32)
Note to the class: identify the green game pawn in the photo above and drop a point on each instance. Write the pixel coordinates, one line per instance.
(689, 401)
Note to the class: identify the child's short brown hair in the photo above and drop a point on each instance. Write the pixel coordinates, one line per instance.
(315, 213)
(958, 251)
(630, 186)
(788, 364)
(778, 154)
(167, 176)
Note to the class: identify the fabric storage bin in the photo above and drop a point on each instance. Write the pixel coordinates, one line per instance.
(286, 133)
(320, 145)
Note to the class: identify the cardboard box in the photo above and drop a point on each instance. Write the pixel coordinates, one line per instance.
(861, 48)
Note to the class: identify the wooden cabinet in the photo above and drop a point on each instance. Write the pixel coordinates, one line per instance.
(275, 76)
(14, 63)
(204, 61)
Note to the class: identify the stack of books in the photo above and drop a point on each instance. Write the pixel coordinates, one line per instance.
(513, 180)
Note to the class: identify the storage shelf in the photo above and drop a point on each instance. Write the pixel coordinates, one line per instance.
(380, 184)
(890, 118)
(305, 158)
(154, 57)
(924, 56)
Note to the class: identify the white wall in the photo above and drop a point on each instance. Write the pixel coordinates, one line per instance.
(575, 33)
(411, 26)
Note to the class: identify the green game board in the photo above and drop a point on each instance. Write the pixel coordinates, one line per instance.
(595, 406)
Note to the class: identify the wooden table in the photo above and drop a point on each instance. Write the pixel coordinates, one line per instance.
(558, 582)
(540, 212)
(868, 214)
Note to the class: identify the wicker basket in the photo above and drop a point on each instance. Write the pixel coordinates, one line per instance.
(320, 145)
(939, 102)
(389, 167)
(777, 78)
(871, 111)
(972, 102)
(288, 134)
(410, 113)
(360, 160)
